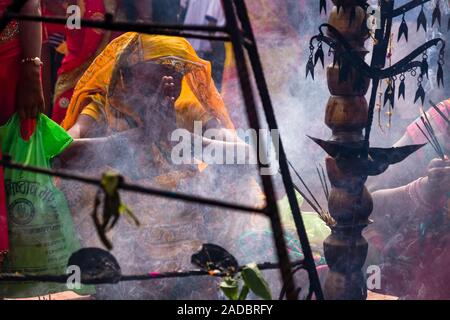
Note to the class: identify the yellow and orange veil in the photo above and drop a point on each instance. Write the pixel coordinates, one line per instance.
(199, 95)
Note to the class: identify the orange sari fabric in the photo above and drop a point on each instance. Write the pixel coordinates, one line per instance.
(198, 100)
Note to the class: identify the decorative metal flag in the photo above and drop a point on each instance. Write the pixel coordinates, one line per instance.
(436, 15)
(402, 87)
(319, 56)
(422, 20)
(424, 66)
(323, 6)
(403, 30)
(420, 93)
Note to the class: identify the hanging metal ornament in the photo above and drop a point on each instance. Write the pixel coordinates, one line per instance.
(403, 30)
(387, 93)
(440, 71)
(424, 65)
(393, 88)
(402, 87)
(422, 20)
(436, 15)
(319, 55)
(323, 6)
(310, 64)
(420, 93)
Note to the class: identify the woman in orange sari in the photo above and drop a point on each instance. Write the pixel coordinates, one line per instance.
(114, 93)
(82, 46)
(141, 88)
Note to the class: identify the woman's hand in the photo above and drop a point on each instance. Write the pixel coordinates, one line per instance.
(160, 119)
(437, 180)
(30, 95)
(166, 92)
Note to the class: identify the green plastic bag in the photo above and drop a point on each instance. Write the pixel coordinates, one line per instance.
(41, 231)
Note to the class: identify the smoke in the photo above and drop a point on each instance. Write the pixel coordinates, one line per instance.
(172, 231)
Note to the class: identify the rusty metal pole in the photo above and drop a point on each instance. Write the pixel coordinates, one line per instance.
(350, 203)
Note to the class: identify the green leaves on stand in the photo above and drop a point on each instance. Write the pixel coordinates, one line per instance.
(113, 207)
(254, 280)
(249, 279)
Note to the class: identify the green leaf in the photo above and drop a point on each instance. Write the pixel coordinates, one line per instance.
(244, 292)
(124, 210)
(230, 288)
(253, 278)
(110, 181)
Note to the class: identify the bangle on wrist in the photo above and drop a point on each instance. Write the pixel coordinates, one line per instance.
(415, 194)
(35, 61)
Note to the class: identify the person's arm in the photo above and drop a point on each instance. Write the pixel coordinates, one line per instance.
(82, 127)
(424, 196)
(102, 151)
(144, 10)
(30, 97)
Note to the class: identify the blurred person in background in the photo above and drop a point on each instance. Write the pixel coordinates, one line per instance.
(53, 49)
(20, 74)
(280, 49)
(410, 236)
(81, 48)
(207, 12)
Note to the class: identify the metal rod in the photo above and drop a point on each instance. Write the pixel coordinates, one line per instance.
(282, 159)
(429, 141)
(382, 35)
(17, 277)
(407, 7)
(246, 88)
(141, 27)
(132, 187)
(372, 72)
(444, 117)
(305, 185)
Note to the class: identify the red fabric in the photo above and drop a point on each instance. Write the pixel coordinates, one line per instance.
(27, 128)
(59, 111)
(4, 4)
(50, 28)
(83, 43)
(10, 54)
